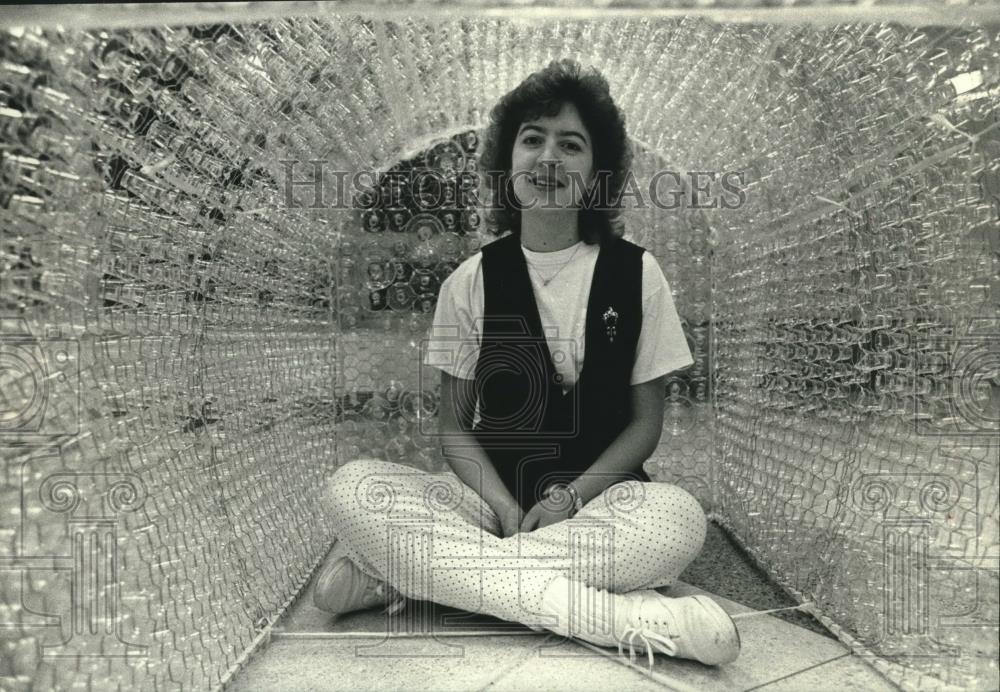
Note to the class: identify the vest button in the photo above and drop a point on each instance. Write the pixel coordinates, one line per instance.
(557, 378)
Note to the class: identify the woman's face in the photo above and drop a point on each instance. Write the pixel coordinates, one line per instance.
(550, 153)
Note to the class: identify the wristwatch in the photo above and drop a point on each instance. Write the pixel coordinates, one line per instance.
(574, 496)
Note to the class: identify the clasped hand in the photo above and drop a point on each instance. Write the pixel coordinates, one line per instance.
(541, 515)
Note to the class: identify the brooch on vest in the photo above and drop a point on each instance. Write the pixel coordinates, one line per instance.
(610, 323)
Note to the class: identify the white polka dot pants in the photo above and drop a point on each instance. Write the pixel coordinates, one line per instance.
(434, 539)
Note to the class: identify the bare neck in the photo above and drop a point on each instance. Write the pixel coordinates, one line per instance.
(551, 231)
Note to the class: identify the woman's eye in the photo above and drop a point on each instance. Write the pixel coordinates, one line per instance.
(573, 146)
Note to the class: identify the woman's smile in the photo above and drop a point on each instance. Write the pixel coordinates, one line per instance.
(546, 183)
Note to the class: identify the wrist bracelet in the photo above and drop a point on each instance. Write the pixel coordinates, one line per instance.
(573, 494)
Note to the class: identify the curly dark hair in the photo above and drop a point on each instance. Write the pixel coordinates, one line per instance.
(544, 93)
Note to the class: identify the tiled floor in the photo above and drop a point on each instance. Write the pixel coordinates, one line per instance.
(310, 650)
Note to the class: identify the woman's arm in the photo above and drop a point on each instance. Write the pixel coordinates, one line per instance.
(634, 445)
(464, 454)
(623, 456)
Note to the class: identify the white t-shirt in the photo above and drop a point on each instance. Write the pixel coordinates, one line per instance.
(455, 335)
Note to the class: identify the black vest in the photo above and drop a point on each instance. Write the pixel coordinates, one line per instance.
(534, 433)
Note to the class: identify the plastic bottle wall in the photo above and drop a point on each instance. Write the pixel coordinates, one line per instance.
(195, 336)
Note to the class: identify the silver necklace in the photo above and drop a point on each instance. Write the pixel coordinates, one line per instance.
(545, 282)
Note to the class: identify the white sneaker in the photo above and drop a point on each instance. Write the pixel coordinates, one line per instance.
(341, 587)
(694, 627)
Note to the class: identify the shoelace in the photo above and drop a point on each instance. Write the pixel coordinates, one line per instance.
(398, 600)
(649, 639)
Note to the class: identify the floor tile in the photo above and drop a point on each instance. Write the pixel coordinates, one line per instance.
(372, 663)
(846, 674)
(564, 665)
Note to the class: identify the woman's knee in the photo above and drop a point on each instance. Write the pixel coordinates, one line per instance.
(342, 487)
(677, 512)
(677, 500)
(666, 525)
(657, 497)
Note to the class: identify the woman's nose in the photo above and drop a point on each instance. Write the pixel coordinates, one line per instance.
(550, 155)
